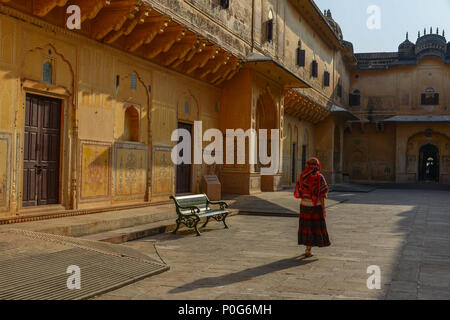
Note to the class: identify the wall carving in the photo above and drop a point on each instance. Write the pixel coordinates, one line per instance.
(446, 164)
(5, 172)
(130, 170)
(383, 171)
(163, 177)
(359, 171)
(412, 164)
(95, 159)
(7, 36)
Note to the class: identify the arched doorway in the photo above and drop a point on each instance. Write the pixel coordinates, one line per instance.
(266, 118)
(429, 163)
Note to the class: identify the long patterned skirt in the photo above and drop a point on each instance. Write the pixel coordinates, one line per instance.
(312, 231)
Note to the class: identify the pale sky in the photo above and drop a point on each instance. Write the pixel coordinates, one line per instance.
(397, 18)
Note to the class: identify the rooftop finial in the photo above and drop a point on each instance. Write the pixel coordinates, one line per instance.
(407, 36)
(424, 31)
(431, 30)
(443, 33)
(418, 34)
(437, 30)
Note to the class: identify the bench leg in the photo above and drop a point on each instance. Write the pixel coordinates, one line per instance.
(224, 218)
(207, 220)
(196, 228)
(176, 229)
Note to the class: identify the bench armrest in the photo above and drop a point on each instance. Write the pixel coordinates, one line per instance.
(222, 204)
(194, 209)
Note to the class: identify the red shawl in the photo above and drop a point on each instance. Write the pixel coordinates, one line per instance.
(312, 184)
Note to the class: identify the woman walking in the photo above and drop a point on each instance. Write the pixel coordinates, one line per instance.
(312, 189)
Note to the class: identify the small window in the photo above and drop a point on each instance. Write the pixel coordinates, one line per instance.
(131, 126)
(301, 57)
(354, 98)
(339, 89)
(133, 81)
(326, 79)
(315, 69)
(270, 27)
(47, 73)
(430, 97)
(117, 83)
(225, 4)
(186, 107)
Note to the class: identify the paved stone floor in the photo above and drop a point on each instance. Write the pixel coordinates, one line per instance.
(404, 232)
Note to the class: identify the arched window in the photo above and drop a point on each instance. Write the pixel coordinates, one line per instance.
(339, 88)
(270, 27)
(355, 98)
(133, 81)
(430, 97)
(47, 73)
(131, 125)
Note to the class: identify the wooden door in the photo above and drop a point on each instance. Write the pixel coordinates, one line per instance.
(41, 151)
(183, 184)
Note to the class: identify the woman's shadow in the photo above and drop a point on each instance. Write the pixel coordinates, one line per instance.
(243, 275)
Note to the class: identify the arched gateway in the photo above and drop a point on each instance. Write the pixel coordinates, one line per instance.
(429, 163)
(427, 154)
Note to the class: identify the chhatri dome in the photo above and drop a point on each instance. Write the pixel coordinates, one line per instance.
(334, 25)
(431, 44)
(406, 49)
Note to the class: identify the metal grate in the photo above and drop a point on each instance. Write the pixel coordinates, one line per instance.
(26, 275)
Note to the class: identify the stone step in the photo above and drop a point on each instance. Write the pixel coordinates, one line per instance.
(123, 235)
(79, 226)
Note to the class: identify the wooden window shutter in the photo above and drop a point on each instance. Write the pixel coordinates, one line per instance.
(270, 30)
(301, 57)
(326, 79)
(339, 89)
(354, 99)
(315, 68)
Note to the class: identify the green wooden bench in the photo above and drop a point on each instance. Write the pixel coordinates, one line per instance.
(191, 209)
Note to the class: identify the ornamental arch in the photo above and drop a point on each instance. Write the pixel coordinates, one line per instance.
(431, 146)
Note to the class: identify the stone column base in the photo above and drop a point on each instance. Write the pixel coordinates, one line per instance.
(271, 183)
(240, 182)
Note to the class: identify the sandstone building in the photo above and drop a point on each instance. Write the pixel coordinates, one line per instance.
(86, 115)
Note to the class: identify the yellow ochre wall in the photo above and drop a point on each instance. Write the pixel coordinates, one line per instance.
(389, 152)
(98, 167)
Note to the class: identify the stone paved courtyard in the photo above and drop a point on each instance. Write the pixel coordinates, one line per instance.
(404, 232)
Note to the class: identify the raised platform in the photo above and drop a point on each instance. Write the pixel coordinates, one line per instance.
(82, 225)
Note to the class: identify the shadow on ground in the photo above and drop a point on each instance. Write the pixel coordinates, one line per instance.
(243, 275)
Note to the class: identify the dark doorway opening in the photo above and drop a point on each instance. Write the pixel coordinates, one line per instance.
(183, 184)
(41, 151)
(429, 163)
(303, 157)
(294, 161)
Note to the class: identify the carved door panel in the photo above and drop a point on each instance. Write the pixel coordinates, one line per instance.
(41, 151)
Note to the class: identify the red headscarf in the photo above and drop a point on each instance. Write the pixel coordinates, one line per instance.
(312, 184)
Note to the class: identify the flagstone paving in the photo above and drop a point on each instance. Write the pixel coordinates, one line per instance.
(406, 233)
